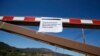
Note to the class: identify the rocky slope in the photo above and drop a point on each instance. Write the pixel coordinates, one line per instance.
(6, 50)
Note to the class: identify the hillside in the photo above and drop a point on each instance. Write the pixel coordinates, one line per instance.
(6, 50)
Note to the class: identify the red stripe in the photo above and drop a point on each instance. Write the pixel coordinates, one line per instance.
(8, 18)
(29, 19)
(96, 22)
(75, 20)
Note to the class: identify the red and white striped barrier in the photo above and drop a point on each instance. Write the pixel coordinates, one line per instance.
(37, 19)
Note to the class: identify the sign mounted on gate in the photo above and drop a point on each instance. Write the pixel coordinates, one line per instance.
(50, 24)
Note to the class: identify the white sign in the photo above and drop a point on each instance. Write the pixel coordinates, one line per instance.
(50, 25)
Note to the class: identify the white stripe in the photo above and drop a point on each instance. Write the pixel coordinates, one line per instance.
(65, 20)
(1, 17)
(86, 21)
(38, 18)
(19, 18)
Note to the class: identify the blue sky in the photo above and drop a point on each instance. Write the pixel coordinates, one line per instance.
(86, 9)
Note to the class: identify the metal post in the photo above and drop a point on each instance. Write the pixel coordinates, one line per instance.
(84, 39)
